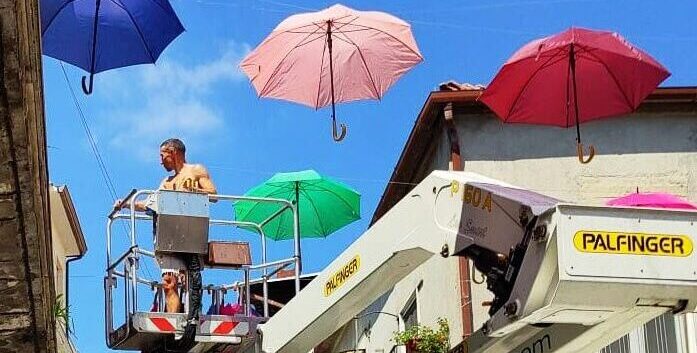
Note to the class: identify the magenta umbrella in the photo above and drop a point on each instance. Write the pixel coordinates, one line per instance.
(573, 77)
(334, 55)
(652, 199)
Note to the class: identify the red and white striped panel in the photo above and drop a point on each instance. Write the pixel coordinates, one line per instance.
(216, 325)
(223, 327)
(159, 324)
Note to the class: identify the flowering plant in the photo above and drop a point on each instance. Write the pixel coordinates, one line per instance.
(424, 339)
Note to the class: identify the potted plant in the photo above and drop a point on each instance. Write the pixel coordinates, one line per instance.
(424, 339)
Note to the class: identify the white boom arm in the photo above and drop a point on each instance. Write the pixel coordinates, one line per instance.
(569, 278)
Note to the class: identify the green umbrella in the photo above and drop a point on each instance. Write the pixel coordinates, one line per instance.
(324, 205)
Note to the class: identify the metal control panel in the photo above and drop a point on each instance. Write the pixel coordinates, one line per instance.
(181, 222)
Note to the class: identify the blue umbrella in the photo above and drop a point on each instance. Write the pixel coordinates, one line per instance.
(98, 35)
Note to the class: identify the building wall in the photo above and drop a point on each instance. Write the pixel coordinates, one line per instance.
(652, 152)
(64, 245)
(432, 284)
(26, 276)
(58, 264)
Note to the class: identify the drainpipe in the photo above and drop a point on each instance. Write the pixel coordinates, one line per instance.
(68, 260)
(456, 164)
(455, 160)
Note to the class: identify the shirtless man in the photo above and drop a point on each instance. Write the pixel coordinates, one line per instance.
(186, 177)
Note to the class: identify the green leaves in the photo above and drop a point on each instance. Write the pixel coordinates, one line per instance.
(425, 339)
(61, 313)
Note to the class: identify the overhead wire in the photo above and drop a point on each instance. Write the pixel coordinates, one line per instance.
(449, 10)
(490, 5)
(238, 5)
(265, 173)
(95, 151)
(269, 173)
(288, 5)
(90, 138)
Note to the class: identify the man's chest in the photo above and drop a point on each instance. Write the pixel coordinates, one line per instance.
(180, 182)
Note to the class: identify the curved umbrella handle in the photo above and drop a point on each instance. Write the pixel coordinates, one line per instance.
(579, 151)
(338, 136)
(87, 88)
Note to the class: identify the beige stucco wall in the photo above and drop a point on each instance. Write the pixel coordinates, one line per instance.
(63, 342)
(63, 236)
(64, 245)
(59, 257)
(59, 240)
(654, 152)
(432, 283)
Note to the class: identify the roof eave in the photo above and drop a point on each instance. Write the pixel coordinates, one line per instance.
(73, 220)
(436, 99)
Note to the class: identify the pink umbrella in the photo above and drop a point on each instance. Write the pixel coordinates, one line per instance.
(332, 56)
(652, 199)
(594, 74)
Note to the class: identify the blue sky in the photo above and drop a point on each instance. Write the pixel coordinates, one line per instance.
(197, 93)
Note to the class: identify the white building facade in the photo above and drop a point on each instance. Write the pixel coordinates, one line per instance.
(68, 244)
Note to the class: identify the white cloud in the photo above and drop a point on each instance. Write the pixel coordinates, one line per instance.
(170, 99)
(198, 79)
(141, 131)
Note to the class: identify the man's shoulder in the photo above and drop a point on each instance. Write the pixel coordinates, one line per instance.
(197, 169)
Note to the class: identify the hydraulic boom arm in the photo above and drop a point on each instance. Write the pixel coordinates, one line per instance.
(565, 277)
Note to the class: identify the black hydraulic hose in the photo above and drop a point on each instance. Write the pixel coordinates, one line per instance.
(505, 284)
(188, 340)
(195, 292)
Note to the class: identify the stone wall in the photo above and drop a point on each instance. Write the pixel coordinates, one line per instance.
(26, 278)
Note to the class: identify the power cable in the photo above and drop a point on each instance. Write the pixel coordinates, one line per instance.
(95, 150)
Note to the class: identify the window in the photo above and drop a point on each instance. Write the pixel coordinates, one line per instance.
(410, 313)
(620, 346)
(657, 336)
(660, 335)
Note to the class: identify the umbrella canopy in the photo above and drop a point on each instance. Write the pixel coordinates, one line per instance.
(98, 35)
(573, 77)
(652, 199)
(332, 56)
(324, 205)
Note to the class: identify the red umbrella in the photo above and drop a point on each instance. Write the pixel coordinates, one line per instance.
(594, 74)
(652, 199)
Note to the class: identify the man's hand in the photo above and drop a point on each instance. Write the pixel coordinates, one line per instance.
(169, 282)
(117, 205)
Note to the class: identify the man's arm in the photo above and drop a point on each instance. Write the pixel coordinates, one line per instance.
(205, 184)
(139, 205)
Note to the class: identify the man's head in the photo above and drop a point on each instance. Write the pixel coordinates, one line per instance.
(172, 154)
